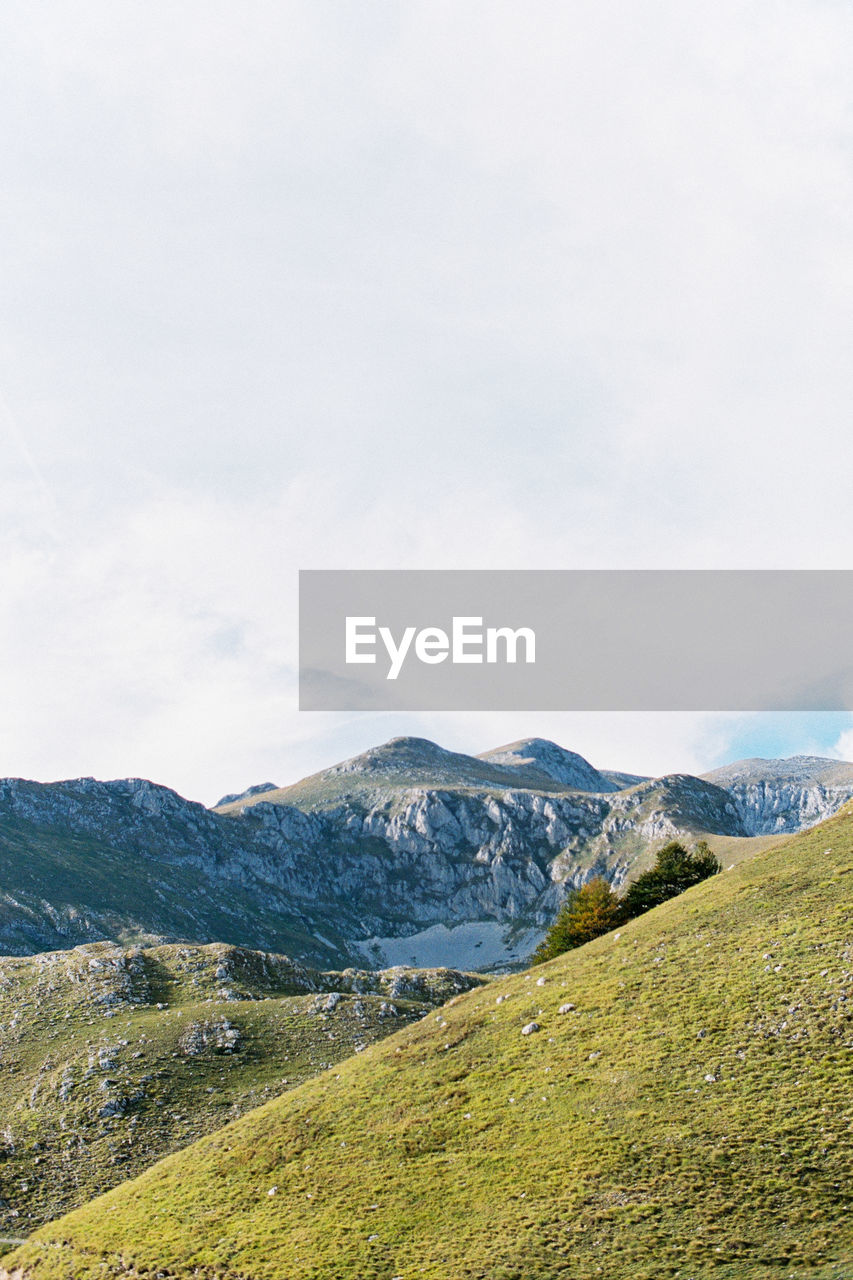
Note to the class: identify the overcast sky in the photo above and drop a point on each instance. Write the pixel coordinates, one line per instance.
(306, 285)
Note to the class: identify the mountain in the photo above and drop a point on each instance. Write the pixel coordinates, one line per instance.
(113, 1057)
(671, 1100)
(405, 763)
(622, 780)
(406, 854)
(130, 861)
(369, 866)
(540, 758)
(785, 795)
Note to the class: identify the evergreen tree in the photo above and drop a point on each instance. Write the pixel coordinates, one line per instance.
(674, 871)
(594, 908)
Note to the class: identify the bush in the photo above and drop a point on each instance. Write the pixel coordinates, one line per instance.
(587, 913)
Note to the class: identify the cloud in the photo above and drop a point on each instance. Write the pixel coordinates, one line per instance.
(426, 285)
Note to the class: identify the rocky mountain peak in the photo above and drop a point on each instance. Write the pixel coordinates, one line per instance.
(397, 755)
(785, 795)
(566, 768)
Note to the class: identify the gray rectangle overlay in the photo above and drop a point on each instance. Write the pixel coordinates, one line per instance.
(603, 640)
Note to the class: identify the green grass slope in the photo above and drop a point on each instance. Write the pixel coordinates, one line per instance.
(112, 1058)
(683, 1111)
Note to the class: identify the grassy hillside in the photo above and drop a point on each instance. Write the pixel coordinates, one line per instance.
(683, 1111)
(114, 1058)
(734, 849)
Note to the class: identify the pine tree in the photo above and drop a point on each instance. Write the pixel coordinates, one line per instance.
(674, 871)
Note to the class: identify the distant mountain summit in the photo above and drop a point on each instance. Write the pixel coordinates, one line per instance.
(785, 795)
(534, 764)
(804, 770)
(258, 789)
(556, 764)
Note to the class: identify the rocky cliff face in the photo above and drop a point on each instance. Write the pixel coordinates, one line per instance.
(364, 862)
(410, 862)
(776, 796)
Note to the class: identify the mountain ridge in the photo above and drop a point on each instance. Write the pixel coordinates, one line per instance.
(405, 854)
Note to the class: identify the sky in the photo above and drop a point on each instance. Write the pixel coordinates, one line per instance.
(387, 285)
